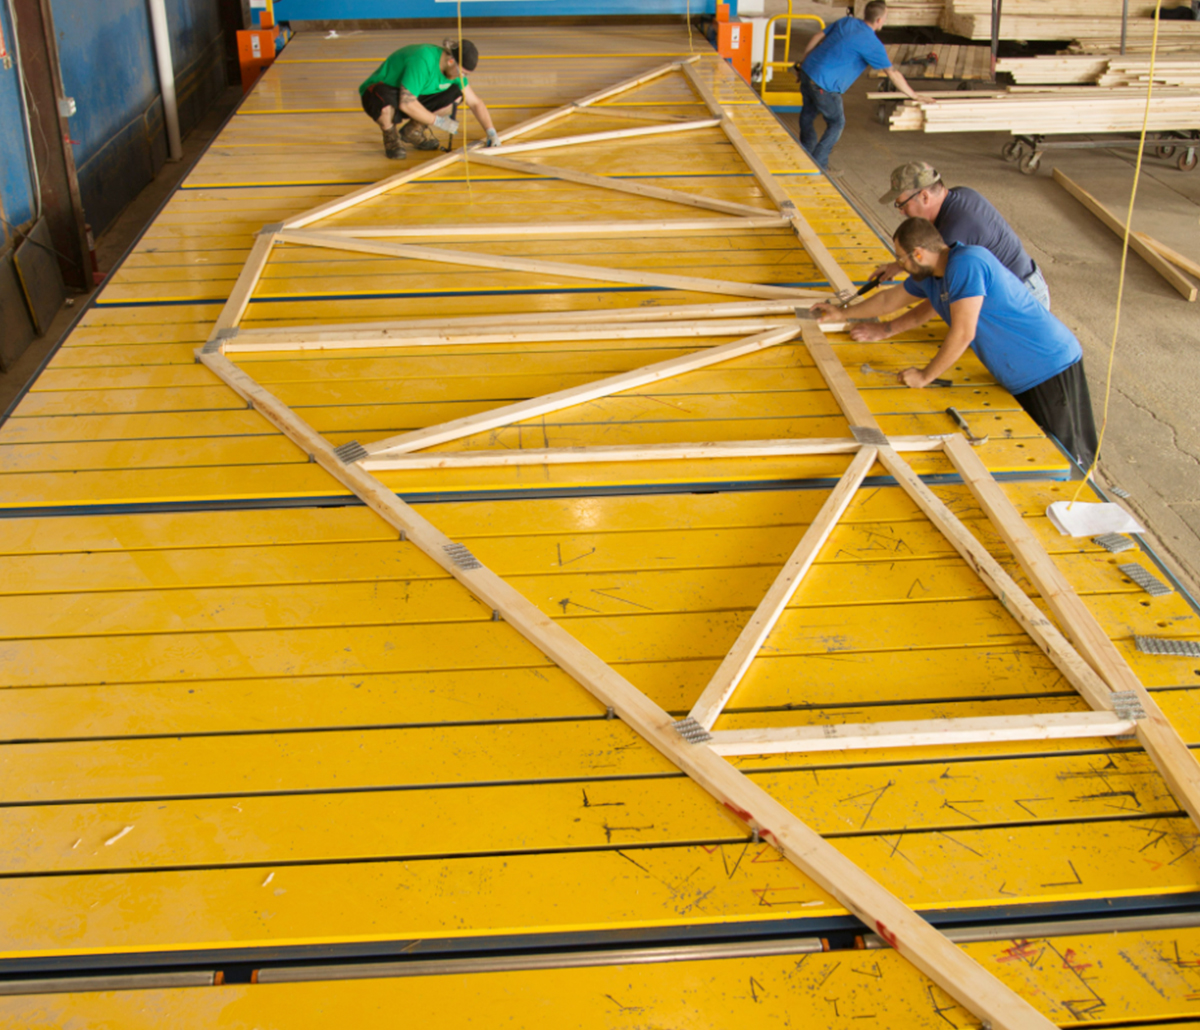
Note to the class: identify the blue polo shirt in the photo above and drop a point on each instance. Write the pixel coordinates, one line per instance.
(1017, 339)
(849, 48)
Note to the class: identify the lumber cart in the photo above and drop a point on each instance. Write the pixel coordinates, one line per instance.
(1027, 150)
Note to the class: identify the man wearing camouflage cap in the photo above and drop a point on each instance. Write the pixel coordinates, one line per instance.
(961, 216)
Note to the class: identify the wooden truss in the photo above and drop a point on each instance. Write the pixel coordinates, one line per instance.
(1082, 651)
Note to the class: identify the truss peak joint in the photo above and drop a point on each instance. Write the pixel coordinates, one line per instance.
(691, 731)
(212, 346)
(1167, 646)
(869, 435)
(462, 557)
(228, 333)
(271, 229)
(349, 453)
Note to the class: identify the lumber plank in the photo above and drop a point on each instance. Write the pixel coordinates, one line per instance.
(879, 909)
(920, 733)
(350, 200)
(625, 186)
(1184, 285)
(1177, 259)
(723, 309)
(239, 298)
(754, 634)
(1040, 629)
(597, 273)
(636, 116)
(809, 239)
(508, 230)
(834, 373)
(309, 340)
(1156, 733)
(636, 452)
(606, 137)
(536, 406)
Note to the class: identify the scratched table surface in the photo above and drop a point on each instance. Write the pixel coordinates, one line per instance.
(252, 729)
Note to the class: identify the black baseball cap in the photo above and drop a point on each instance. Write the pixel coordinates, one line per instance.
(470, 55)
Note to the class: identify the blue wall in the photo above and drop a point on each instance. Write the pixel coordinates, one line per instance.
(16, 200)
(332, 10)
(106, 51)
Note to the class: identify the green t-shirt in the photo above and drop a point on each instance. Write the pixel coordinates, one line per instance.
(416, 68)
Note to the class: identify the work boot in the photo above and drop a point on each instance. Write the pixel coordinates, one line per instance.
(418, 136)
(392, 145)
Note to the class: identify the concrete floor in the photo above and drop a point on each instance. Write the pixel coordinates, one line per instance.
(1152, 444)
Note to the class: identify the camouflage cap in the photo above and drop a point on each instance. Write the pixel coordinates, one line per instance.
(916, 175)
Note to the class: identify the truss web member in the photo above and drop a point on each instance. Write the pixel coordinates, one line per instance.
(421, 86)
(828, 67)
(1028, 351)
(961, 216)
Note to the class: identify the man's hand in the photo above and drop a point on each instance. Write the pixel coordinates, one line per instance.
(448, 125)
(888, 271)
(869, 332)
(493, 138)
(925, 98)
(823, 309)
(914, 377)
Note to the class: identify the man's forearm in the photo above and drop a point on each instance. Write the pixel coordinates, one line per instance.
(918, 316)
(883, 303)
(952, 348)
(417, 111)
(901, 83)
(479, 109)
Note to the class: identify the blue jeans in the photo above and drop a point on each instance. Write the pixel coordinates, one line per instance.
(829, 107)
(1036, 284)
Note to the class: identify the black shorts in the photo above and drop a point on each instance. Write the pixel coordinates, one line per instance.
(375, 98)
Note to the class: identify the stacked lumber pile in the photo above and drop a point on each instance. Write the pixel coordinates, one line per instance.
(1066, 109)
(903, 13)
(1129, 71)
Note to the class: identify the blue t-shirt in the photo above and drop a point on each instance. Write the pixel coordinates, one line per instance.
(966, 217)
(1017, 339)
(850, 47)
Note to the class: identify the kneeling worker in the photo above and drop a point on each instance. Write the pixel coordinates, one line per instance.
(961, 216)
(419, 86)
(1026, 349)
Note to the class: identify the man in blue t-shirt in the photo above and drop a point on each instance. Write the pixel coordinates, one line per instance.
(1028, 351)
(828, 67)
(961, 216)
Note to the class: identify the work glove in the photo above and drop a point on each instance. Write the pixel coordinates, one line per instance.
(493, 138)
(447, 125)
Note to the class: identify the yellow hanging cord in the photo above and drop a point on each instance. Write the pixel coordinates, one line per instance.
(1137, 172)
(462, 81)
(691, 45)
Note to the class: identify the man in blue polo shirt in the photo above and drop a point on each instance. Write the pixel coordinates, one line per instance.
(828, 67)
(961, 216)
(1027, 350)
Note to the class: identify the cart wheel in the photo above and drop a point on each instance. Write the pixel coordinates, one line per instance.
(1030, 162)
(1167, 151)
(1011, 151)
(883, 112)
(1187, 160)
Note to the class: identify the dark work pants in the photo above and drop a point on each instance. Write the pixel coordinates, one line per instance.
(379, 96)
(829, 107)
(1062, 406)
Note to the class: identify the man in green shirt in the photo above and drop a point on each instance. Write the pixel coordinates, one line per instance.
(419, 86)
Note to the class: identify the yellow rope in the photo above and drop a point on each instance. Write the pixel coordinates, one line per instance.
(462, 84)
(1137, 172)
(691, 46)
